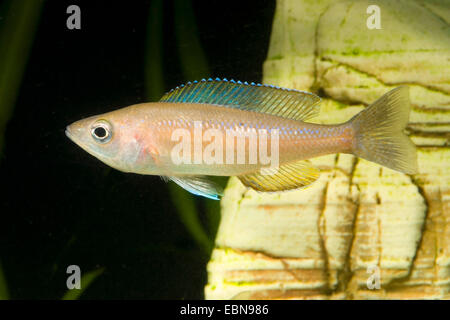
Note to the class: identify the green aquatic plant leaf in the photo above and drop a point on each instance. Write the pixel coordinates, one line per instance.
(86, 281)
(18, 24)
(154, 74)
(192, 57)
(4, 293)
(212, 208)
(187, 210)
(154, 78)
(194, 65)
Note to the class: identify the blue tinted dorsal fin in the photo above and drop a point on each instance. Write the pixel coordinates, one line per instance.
(282, 102)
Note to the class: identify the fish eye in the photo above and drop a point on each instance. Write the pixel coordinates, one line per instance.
(101, 131)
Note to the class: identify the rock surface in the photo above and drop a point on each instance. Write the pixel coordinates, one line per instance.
(361, 231)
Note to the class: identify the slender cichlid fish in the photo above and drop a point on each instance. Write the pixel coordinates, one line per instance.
(255, 132)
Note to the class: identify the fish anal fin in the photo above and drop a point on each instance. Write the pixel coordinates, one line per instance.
(282, 102)
(290, 176)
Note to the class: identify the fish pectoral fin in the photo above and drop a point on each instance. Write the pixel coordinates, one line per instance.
(199, 185)
(290, 176)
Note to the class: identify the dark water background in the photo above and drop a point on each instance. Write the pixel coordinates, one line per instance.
(59, 205)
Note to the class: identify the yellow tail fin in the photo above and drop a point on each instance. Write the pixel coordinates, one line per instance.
(379, 135)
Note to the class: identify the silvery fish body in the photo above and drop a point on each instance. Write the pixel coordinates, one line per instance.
(255, 132)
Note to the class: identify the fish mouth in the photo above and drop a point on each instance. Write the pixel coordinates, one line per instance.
(74, 137)
(71, 135)
(68, 133)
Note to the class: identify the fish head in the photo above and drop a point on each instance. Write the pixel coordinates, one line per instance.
(111, 138)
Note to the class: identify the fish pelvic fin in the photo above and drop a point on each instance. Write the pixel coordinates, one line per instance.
(379, 135)
(200, 186)
(289, 176)
(286, 103)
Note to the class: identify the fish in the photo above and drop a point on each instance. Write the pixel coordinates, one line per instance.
(257, 132)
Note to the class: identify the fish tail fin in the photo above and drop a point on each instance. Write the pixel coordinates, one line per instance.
(379, 135)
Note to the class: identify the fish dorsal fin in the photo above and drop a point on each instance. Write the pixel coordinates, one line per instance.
(289, 176)
(286, 103)
(199, 185)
